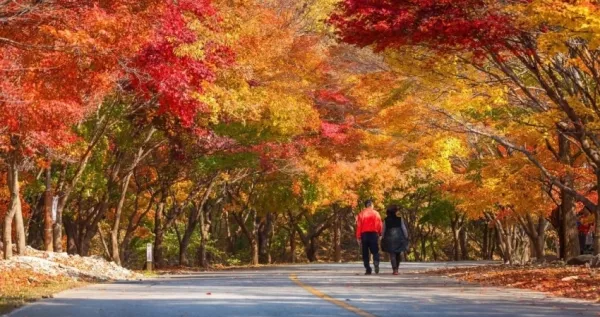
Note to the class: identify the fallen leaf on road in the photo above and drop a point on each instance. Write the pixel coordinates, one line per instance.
(572, 282)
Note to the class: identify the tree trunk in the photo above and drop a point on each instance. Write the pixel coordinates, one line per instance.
(114, 233)
(186, 239)
(505, 242)
(159, 235)
(486, 241)
(35, 225)
(48, 242)
(264, 238)
(536, 233)
(251, 235)
(92, 227)
(596, 241)
(455, 225)
(569, 226)
(57, 230)
(493, 243)
(567, 207)
(464, 244)
(292, 245)
(253, 239)
(337, 237)
(204, 236)
(72, 233)
(311, 252)
(432, 245)
(229, 236)
(597, 232)
(254, 252)
(455, 241)
(13, 210)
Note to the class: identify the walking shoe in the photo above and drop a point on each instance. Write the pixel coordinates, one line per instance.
(395, 273)
(368, 272)
(376, 269)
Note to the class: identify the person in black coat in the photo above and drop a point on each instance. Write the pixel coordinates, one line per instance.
(395, 237)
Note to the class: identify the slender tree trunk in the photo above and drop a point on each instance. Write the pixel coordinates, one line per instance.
(293, 245)
(596, 242)
(432, 245)
(229, 236)
(493, 244)
(103, 241)
(337, 237)
(114, 234)
(264, 236)
(455, 241)
(159, 235)
(186, 239)
(13, 210)
(57, 231)
(455, 226)
(48, 242)
(204, 236)
(486, 241)
(253, 239)
(464, 243)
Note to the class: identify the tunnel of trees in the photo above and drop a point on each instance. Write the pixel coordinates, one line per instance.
(231, 132)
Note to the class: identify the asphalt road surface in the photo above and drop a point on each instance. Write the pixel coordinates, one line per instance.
(305, 290)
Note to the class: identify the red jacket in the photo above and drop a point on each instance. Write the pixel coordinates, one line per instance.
(368, 220)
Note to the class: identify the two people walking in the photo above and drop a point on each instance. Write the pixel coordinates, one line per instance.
(369, 228)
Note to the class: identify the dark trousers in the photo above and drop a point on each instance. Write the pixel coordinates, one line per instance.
(370, 242)
(395, 259)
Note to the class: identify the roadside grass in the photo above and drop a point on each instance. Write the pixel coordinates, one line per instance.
(20, 286)
(562, 281)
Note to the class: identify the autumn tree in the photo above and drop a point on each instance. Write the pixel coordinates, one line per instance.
(58, 61)
(511, 44)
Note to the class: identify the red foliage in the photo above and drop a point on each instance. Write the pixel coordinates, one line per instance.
(331, 96)
(175, 78)
(58, 59)
(338, 133)
(272, 152)
(442, 24)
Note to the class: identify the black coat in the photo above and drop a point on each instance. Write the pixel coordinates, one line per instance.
(394, 240)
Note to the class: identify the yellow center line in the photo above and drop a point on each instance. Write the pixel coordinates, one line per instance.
(330, 299)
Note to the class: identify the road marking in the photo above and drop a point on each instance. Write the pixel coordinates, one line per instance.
(330, 299)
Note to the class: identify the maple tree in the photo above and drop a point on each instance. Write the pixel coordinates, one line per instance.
(58, 63)
(529, 37)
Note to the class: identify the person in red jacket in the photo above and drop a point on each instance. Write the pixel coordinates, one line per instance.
(368, 231)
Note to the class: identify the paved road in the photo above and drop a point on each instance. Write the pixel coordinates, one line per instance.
(306, 290)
